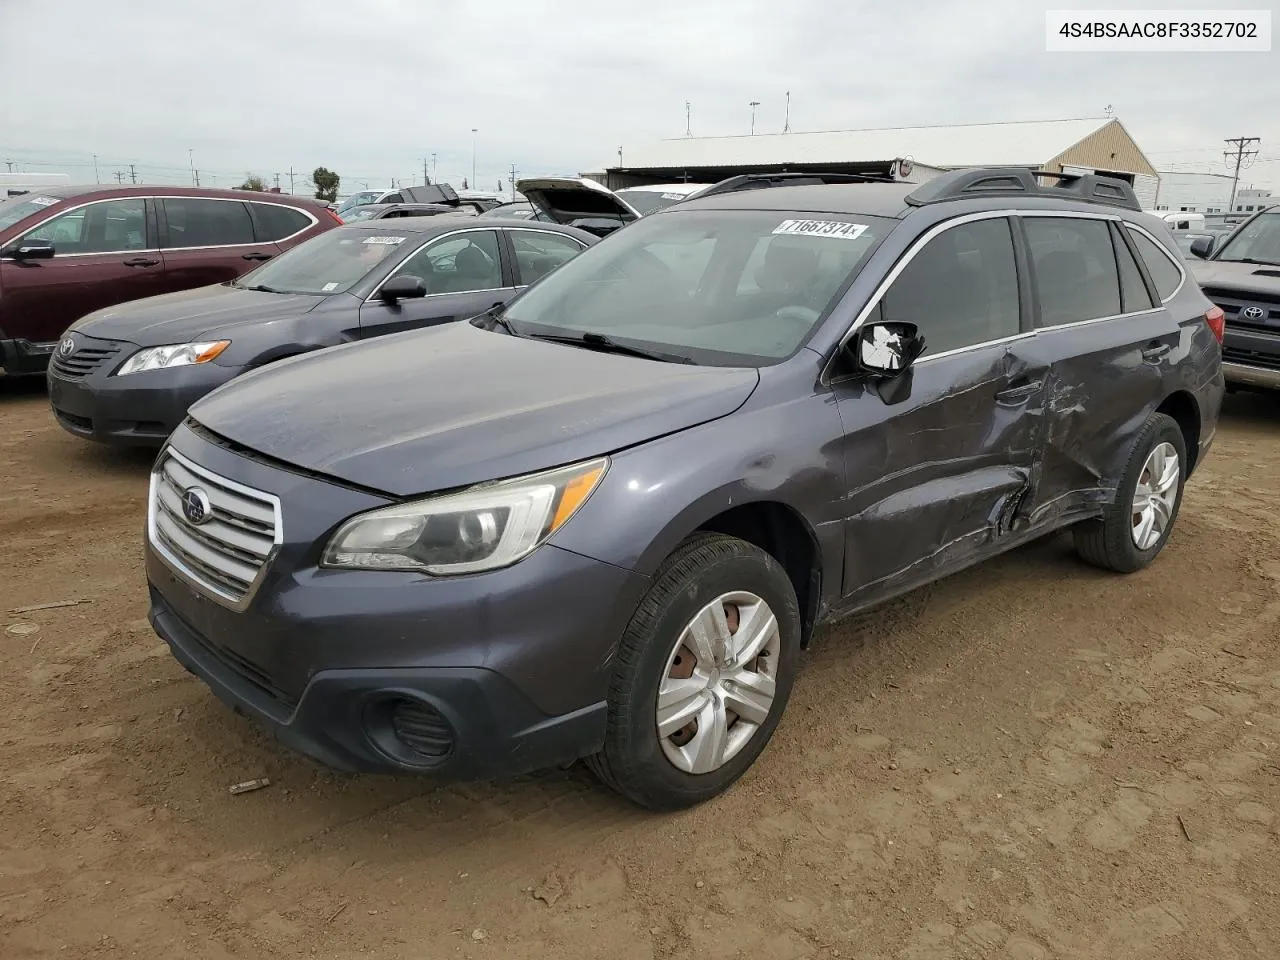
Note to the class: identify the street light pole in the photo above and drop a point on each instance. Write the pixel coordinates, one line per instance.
(473, 158)
(754, 104)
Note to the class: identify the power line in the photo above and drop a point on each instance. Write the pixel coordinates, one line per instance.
(1242, 152)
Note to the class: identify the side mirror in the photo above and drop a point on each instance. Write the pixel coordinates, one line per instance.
(1202, 247)
(402, 287)
(33, 250)
(887, 349)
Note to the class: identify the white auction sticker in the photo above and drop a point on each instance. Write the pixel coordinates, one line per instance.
(43, 201)
(388, 240)
(834, 229)
(331, 285)
(673, 196)
(1158, 31)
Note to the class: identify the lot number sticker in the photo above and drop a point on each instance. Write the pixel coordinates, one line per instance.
(44, 201)
(835, 229)
(388, 240)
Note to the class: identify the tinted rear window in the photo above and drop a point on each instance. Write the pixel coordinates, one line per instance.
(1075, 269)
(195, 222)
(1164, 272)
(277, 222)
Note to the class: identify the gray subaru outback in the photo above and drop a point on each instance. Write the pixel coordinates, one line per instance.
(604, 521)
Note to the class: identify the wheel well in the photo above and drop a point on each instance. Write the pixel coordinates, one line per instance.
(1183, 408)
(780, 532)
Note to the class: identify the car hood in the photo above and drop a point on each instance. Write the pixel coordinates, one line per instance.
(566, 199)
(182, 316)
(1238, 277)
(454, 405)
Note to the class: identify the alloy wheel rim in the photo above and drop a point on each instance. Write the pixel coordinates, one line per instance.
(1155, 495)
(719, 684)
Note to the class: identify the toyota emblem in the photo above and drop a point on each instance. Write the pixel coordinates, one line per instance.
(196, 506)
(67, 346)
(1253, 313)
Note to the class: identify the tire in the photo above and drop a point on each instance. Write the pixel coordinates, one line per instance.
(1109, 541)
(635, 760)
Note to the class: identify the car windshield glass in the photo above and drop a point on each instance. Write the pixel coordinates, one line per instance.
(720, 287)
(647, 201)
(358, 199)
(362, 212)
(19, 208)
(1260, 240)
(330, 263)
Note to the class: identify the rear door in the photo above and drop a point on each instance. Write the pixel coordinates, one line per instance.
(937, 472)
(105, 253)
(465, 273)
(535, 253)
(206, 240)
(1109, 343)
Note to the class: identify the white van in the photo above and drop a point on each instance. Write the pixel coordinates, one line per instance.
(1182, 221)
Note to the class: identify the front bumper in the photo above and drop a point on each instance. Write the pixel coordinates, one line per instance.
(137, 410)
(1249, 376)
(1251, 357)
(515, 663)
(25, 356)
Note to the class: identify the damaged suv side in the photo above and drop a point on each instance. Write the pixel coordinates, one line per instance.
(602, 521)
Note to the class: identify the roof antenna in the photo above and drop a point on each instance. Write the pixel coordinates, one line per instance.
(1110, 110)
(786, 126)
(688, 120)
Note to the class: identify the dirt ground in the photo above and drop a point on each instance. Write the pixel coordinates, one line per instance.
(1031, 760)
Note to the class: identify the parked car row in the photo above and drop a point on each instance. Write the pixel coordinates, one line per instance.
(601, 518)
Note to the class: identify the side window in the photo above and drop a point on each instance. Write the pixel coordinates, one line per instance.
(1133, 291)
(194, 222)
(276, 222)
(393, 198)
(537, 254)
(961, 289)
(107, 227)
(456, 264)
(1075, 269)
(1164, 272)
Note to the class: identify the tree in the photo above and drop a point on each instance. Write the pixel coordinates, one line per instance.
(499, 186)
(253, 182)
(326, 182)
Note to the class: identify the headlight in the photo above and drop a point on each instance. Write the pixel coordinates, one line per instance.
(481, 528)
(177, 355)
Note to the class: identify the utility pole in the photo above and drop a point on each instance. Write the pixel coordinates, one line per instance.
(512, 181)
(119, 176)
(786, 125)
(426, 175)
(277, 181)
(133, 174)
(10, 165)
(473, 156)
(96, 178)
(435, 171)
(688, 119)
(1240, 154)
(196, 176)
(754, 104)
(191, 162)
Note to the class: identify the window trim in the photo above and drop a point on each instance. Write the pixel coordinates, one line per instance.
(96, 253)
(373, 294)
(515, 260)
(252, 222)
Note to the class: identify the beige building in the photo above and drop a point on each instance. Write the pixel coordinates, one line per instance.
(1099, 145)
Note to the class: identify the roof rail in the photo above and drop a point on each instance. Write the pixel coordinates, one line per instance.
(757, 181)
(1015, 181)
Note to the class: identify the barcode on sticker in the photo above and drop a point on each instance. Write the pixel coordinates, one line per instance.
(390, 240)
(834, 229)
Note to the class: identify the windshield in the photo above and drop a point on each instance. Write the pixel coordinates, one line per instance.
(362, 212)
(1260, 240)
(330, 263)
(19, 208)
(647, 201)
(720, 287)
(358, 199)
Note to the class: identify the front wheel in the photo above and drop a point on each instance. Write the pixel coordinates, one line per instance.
(703, 674)
(1136, 526)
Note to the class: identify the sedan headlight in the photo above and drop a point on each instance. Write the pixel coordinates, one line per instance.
(177, 355)
(484, 527)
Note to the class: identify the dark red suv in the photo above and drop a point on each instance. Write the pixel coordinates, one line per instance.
(68, 251)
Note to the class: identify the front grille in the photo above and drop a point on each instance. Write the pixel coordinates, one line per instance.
(1251, 358)
(80, 423)
(226, 553)
(422, 729)
(1233, 303)
(88, 356)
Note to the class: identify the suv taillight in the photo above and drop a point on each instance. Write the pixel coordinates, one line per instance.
(1217, 321)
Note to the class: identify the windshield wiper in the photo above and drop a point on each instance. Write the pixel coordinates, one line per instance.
(261, 288)
(598, 341)
(1253, 260)
(494, 316)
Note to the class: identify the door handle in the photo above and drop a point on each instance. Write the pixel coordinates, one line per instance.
(1154, 352)
(1019, 393)
(256, 256)
(141, 262)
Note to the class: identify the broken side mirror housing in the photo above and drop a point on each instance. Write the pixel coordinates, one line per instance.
(886, 349)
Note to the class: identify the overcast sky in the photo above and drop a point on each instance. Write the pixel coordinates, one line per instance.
(370, 87)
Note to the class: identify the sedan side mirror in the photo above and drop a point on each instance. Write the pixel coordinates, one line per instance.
(402, 287)
(887, 349)
(1202, 247)
(33, 250)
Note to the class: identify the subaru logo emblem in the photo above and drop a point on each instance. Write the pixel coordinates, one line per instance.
(196, 506)
(67, 346)
(1253, 313)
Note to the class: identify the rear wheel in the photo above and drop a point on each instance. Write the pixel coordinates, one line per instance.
(1135, 528)
(703, 674)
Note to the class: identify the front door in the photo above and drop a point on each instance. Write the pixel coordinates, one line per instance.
(207, 241)
(104, 254)
(937, 469)
(464, 275)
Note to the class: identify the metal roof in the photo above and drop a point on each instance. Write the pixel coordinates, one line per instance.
(1027, 143)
